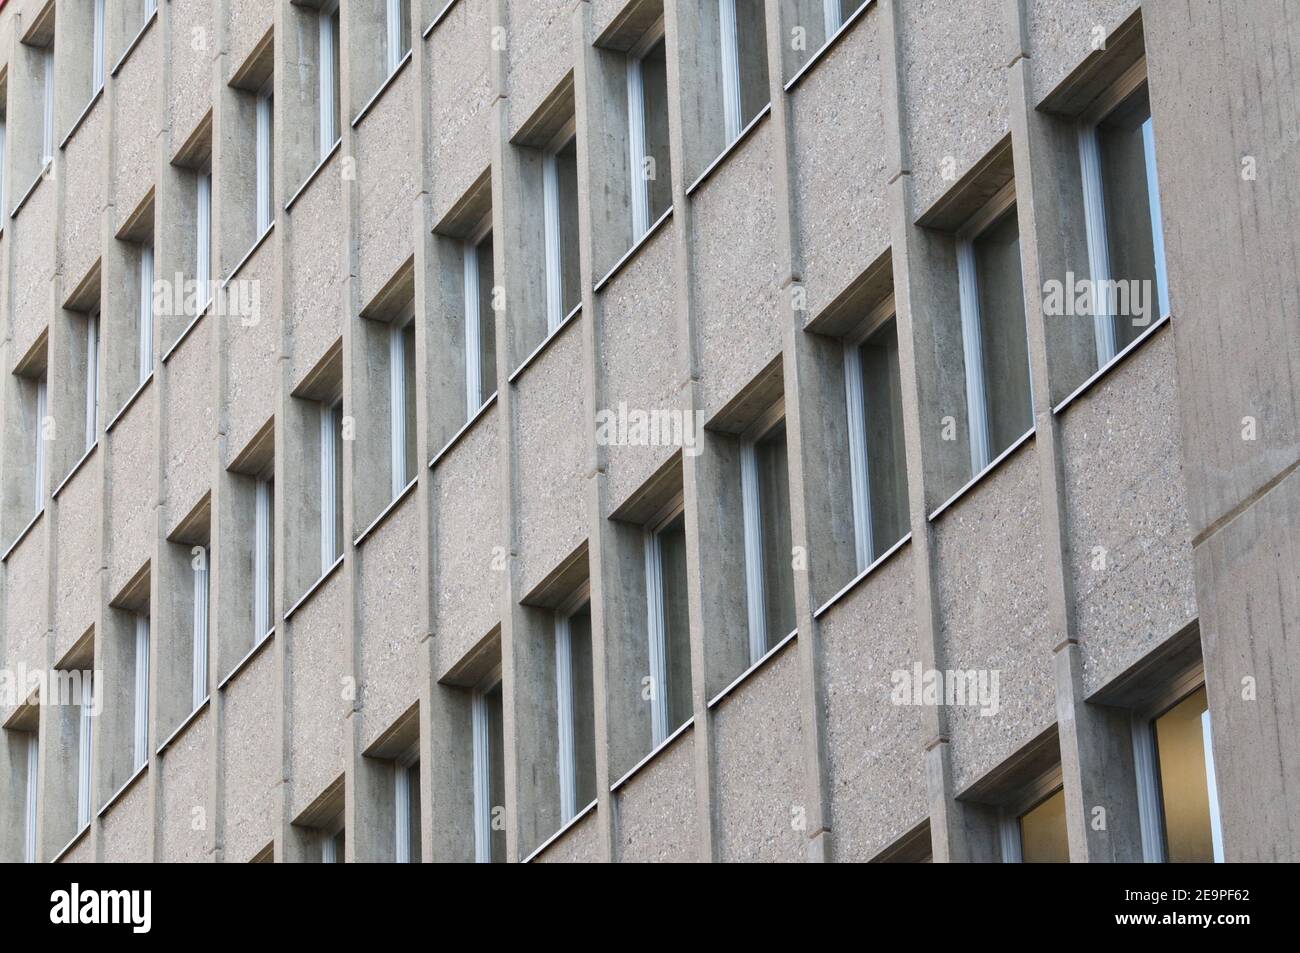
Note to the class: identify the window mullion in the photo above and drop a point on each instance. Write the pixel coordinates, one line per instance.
(755, 597)
(973, 356)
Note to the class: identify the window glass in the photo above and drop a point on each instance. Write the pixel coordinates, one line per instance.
(584, 712)
(774, 512)
(677, 630)
(1043, 838)
(882, 390)
(1002, 331)
(1184, 794)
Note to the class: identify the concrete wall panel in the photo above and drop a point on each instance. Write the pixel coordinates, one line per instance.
(32, 257)
(137, 102)
(252, 351)
(126, 827)
(317, 708)
(386, 150)
(656, 808)
(130, 499)
(190, 422)
(1062, 33)
(84, 197)
(538, 54)
(251, 759)
(193, 45)
(460, 103)
(77, 590)
(183, 808)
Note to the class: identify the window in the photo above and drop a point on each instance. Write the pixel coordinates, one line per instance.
(1126, 255)
(85, 735)
(263, 557)
(4, 126)
(401, 402)
(47, 105)
(995, 341)
(140, 695)
(671, 704)
(32, 790)
(1041, 832)
(199, 630)
(330, 98)
(743, 64)
(144, 323)
(575, 709)
(397, 35)
(647, 111)
(488, 774)
(97, 49)
(265, 189)
(92, 379)
(765, 509)
(560, 220)
(333, 845)
(203, 238)
(331, 483)
(41, 395)
(406, 809)
(480, 324)
(877, 457)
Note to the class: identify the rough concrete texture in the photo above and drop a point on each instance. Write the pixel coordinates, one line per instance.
(1125, 494)
(876, 780)
(252, 352)
(579, 845)
(248, 22)
(316, 703)
(79, 240)
(250, 760)
(193, 45)
(315, 279)
(126, 826)
(385, 157)
(130, 511)
(640, 356)
(762, 802)
(25, 570)
(538, 53)
(183, 832)
(840, 159)
(993, 607)
(460, 144)
(190, 420)
(656, 807)
(1064, 32)
(135, 162)
(33, 264)
(77, 589)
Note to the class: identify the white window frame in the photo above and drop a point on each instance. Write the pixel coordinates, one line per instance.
(146, 313)
(327, 70)
(263, 571)
(552, 225)
(330, 411)
(97, 52)
(657, 618)
(1009, 815)
(977, 407)
(264, 180)
(481, 759)
(397, 421)
(859, 442)
(141, 694)
(639, 185)
(832, 17)
(402, 804)
(203, 238)
(393, 52)
(33, 789)
(85, 742)
(1096, 227)
(730, 68)
(47, 105)
(199, 649)
(39, 457)
(751, 511)
(1146, 767)
(92, 378)
(474, 396)
(566, 717)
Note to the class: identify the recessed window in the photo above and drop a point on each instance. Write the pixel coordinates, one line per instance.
(97, 48)
(487, 741)
(85, 742)
(144, 314)
(203, 239)
(328, 76)
(199, 627)
(560, 221)
(333, 845)
(1043, 838)
(397, 33)
(140, 692)
(995, 341)
(575, 721)
(406, 809)
(668, 623)
(401, 402)
(647, 109)
(331, 483)
(91, 384)
(264, 149)
(47, 104)
(32, 790)
(263, 557)
(1184, 767)
(742, 64)
(765, 507)
(480, 321)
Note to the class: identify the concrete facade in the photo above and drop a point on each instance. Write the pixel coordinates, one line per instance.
(1140, 540)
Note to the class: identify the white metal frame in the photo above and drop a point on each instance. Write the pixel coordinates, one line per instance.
(657, 620)
(730, 51)
(97, 53)
(474, 396)
(92, 378)
(481, 759)
(263, 526)
(555, 314)
(751, 511)
(855, 403)
(566, 718)
(203, 237)
(402, 804)
(327, 70)
(199, 671)
(330, 411)
(393, 52)
(1031, 796)
(264, 184)
(397, 422)
(85, 741)
(141, 693)
(146, 313)
(639, 185)
(47, 105)
(33, 784)
(831, 14)
(39, 456)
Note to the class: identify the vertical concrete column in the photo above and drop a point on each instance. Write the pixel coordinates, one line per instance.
(1096, 752)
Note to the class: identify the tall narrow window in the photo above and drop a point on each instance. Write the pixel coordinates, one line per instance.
(141, 693)
(560, 216)
(743, 64)
(406, 809)
(199, 673)
(575, 712)
(92, 379)
(146, 312)
(995, 342)
(263, 557)
(480, 326)
(38, 455)
(29, 812)
(401, 403)
(97, 51)
(769, 572)
(877, 458)
(47, 105)
(203, 238)
(265, 145)
(488, 778)
(331, 483)
(650, 185)
(84, 741)
(1184, 772)
(333, 845)
(1126, 256)
(397, 36)
(328, 51)
(1042, 834)
(668, 625)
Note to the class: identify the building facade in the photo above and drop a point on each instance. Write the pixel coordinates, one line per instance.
(626, 430)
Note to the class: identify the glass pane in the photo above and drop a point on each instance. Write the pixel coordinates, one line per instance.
(584, 710)
(1002, 329)
(487, 323)
(886, 456)
(677, 629)
(340, 842)
(571, 282)
(751, 39)
(1180, 749)
(413, 788)
(654, 72)
(774, 512)
(1128, 216)
(408, 399)
(496, 743)
(1042, 833)
(338, 481)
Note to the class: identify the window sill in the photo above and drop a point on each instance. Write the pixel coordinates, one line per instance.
(730, 149)
(857, 580)
(983, 474)
(1118, 359)
(383, 88)
(130, 402)
(247, 660)
(469, 425)
(186, 333)
(568, 319)
(121, 792)
(85, 113)
(387, 511)
(564, 829)
(314, 588)
(130, 47)
(76, 468)
(314, 173)
(189, 720)
(261, 239)
(632, 252)
(762, 663)
(654, 754)
(22, 534)
(46, 167)
(437, 18)
(822, 50)
(67, 849)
